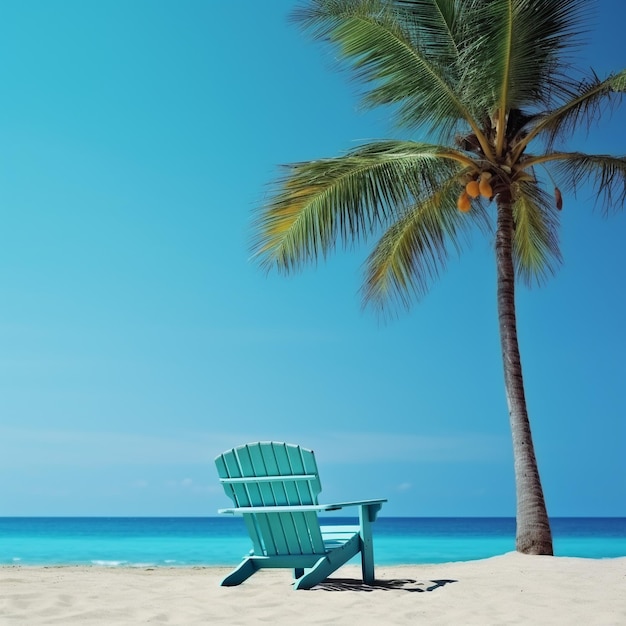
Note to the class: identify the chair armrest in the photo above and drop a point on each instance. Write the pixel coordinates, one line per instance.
(369, 508)
(373, 506)
(341, 505)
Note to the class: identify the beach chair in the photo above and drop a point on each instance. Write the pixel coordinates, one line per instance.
(275, 487)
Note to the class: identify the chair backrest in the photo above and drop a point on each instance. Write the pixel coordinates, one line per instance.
(269, 473)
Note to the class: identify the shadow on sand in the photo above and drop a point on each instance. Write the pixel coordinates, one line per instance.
(400, 584)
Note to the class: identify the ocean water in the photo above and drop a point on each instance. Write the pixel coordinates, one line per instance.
(190, 541)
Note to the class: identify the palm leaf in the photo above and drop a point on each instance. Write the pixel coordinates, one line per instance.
(618, 82)
(320, 202)
(397, 62)
(517, 54)
(535, 243)
(605, 172)
(582, 108)
(435, 26)
(414, 250)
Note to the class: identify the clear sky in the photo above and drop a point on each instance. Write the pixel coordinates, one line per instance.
(138, 340)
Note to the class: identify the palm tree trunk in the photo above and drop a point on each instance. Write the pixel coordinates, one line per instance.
(533, 526)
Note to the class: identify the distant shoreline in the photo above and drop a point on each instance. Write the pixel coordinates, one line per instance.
(148, 567)
(226, 567)
(223, 541)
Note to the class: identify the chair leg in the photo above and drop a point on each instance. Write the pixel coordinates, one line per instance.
(298, 572)
(243, 572)
(318, 573)
(329, 563)
(367, 547)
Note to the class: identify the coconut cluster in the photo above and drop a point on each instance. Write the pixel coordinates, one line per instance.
(479, 185)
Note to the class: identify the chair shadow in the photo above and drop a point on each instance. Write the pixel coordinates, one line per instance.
(401, 584)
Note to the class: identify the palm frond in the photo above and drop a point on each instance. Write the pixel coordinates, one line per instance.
(414, 250)
(318, 203)
(605, 172)
(585, 106)
(397, 63)
(535, 243)
(518, 50)
(618, 82)
(436, 26)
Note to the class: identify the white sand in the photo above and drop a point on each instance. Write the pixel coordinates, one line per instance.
(508, 589)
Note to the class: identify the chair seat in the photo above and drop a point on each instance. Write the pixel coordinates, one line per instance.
(334, 536)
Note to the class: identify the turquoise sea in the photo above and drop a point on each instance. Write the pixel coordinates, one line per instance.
(199, 541)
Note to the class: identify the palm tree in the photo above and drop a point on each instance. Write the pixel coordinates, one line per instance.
(491, 85)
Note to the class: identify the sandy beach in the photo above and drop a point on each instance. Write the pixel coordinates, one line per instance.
(507, 589)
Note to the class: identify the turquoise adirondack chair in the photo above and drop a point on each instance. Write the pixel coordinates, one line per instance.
(275, 487)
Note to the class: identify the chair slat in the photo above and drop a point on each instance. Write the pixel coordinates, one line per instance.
(262, 479)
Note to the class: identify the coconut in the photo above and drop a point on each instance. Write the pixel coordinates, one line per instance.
(464, 203)
(484, 186)
(472, 189)
(559, 198)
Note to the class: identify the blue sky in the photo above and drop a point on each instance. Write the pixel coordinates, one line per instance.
(138, 340)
